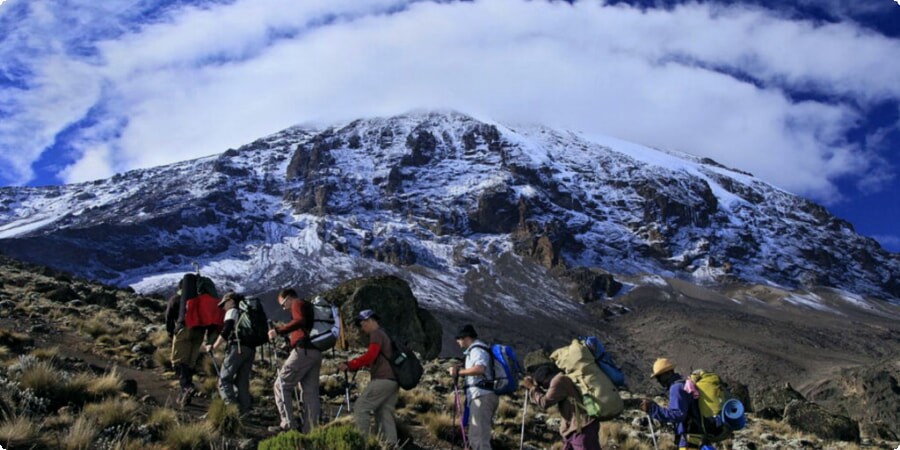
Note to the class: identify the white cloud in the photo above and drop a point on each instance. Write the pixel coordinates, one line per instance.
(215, 77)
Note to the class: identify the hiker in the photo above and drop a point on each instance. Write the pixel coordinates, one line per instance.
(301, 366)
(481, 401)
(234, 378)
(547, 386)
(679, 401)
(379, 398)
(190, 328)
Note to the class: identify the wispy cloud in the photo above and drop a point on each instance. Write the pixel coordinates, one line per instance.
(221, 75)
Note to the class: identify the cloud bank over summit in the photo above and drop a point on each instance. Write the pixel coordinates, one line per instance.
(88, 90)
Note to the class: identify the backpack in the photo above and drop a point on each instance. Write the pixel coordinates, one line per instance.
(326, 325)
(199, 302)
(712, 398)
(504, 369)
(600, 398)
(406, 366)
(252, 326)
(604, 360)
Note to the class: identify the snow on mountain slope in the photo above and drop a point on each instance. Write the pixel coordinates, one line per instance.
(456, 205)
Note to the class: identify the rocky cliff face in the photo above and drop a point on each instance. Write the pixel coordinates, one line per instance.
(437, 196)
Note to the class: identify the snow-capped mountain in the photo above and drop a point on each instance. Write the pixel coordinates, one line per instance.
(468, 211)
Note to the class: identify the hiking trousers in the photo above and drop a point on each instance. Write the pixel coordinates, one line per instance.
(587, 439)
(481, 420)
(186, 346)
(302, 366)
(234, 379)
(378, 399)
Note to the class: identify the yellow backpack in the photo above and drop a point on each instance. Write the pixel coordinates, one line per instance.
(712, 397)
(600, 397)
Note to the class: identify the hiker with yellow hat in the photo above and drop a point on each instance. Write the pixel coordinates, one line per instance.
(679, 409)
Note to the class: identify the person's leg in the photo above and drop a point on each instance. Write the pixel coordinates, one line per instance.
(285, 383)
(230, 370)
(481, 415)
(386, 411)
(247, 356)
(376, 393)
(310, 386)
(587, 439)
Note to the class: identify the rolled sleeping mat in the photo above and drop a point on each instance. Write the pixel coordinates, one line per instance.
(733, 412)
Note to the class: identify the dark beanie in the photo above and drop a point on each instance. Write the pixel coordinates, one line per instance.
(467, 331)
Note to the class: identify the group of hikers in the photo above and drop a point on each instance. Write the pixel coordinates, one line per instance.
(584, 393)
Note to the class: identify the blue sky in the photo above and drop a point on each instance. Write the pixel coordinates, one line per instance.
(805, 94)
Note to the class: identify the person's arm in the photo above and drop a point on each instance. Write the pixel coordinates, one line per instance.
(554, 394)
(367, 359)
(479, 366)
(297, 320)
(678, 406)
(172, 314)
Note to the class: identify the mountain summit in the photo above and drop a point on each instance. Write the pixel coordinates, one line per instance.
(451, 201)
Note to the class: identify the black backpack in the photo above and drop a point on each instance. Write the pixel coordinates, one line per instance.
(252, 325)
(406, 366)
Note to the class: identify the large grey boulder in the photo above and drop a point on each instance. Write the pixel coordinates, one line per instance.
(812, 418)
(392, 299)
(769, 403)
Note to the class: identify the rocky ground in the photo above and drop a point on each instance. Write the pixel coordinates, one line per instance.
(85, 366)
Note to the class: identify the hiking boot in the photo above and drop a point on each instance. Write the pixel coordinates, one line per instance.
(277, 429)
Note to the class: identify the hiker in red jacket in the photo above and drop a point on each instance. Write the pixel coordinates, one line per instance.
(379, 398)
(302, 366)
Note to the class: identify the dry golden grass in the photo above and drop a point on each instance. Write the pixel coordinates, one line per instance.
(112, 412)
(259, 388)
(160, 339)
(507, 410)
(441, 426)
(100, 324)
(224, 418)
(4, 352)
(162, 357)
(162, 419)
(418, 400)
(45, 380)
(105, 385)
(18, 432)
(81, 435)
(46, 353)
(209, 386)
(190, 436)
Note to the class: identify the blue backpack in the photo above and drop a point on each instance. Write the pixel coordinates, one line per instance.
(604, 360)
(505, 369)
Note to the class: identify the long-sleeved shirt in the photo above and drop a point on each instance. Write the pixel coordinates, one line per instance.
(563, 393)
(379, 344)
(678, 410)
(299, 323)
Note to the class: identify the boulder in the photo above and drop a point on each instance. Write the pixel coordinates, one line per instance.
(392, 299)
(812, 418)
(497, 211)
(63, 294)
(769, 403)
(588, 285)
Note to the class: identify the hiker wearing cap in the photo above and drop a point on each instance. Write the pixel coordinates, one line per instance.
(548, 386)
(302, 365)
(481, 401)
(234, 378)
(679, 401)
(379, 398)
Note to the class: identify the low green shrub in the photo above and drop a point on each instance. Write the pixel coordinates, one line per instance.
(342, 437)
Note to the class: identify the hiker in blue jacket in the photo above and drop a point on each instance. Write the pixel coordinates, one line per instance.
(678, 412)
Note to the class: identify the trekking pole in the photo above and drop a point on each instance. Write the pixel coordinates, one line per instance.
(462, 419)
(652, 433)
(524, 414)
